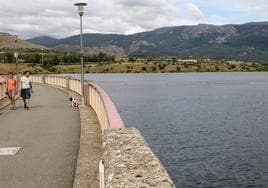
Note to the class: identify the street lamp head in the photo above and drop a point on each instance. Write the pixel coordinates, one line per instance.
(80, 8)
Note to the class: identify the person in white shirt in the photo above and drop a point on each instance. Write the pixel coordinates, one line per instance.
(26, 89)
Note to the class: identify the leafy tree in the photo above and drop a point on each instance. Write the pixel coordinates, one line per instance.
(65, 57)
(56, 60)
(29, 58)
(10, 57)
(37, 58)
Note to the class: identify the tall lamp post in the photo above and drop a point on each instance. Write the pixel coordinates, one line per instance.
(42, 59)
(80, 6)
(16, 54)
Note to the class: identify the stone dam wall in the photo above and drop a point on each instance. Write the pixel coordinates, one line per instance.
(129, 162)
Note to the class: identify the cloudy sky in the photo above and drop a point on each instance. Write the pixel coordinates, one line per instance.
(59, 18)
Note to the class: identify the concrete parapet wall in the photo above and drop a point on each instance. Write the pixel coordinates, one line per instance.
(2, 90)
(130, 163)
(94, 96)
(4, 101)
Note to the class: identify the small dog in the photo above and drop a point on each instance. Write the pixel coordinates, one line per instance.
(74, 102)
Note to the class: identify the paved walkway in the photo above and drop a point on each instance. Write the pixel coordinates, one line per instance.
(87, 172)
(48, 135)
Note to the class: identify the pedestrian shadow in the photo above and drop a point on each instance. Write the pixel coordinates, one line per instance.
(31, 107)
(36, 106)
(19, 107)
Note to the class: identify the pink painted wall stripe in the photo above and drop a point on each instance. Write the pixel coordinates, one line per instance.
(114, 118)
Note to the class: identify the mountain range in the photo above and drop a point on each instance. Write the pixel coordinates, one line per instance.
(240, 42)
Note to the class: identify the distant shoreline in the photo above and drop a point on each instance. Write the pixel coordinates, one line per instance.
(140, 67)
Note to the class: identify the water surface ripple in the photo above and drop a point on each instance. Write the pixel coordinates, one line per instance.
(208, 129)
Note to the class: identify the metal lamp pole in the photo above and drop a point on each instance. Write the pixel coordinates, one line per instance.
(42, 59)
(43, 74)
(80, 6)
(16, 54)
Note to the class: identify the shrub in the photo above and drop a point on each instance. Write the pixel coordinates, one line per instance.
(174, 60)
(131, 59)
(232, 66)
(129, 67)
(150, 59)
(154, 68)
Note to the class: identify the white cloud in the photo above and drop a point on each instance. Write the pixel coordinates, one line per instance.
(195, 12)
(59, 18)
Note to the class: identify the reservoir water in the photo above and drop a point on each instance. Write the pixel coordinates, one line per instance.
(208, 129)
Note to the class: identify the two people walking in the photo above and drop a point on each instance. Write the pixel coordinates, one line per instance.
(26, 89)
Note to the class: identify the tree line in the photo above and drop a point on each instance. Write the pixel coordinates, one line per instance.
(52, 59)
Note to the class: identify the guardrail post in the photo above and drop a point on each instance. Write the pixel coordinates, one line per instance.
(101, 174)
(1, 92)
(67, 79)
(43, 79)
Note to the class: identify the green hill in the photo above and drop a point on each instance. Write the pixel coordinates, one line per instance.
(10, 42)
(246, 42)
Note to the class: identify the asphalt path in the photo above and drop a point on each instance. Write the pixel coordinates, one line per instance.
(48, 135)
